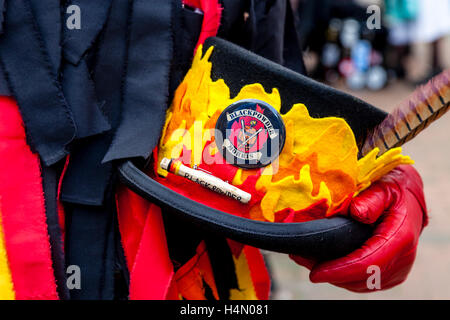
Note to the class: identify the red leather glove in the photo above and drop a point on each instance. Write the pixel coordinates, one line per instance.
(396, 203)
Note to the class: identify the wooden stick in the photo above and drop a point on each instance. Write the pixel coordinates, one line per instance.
(205, 180)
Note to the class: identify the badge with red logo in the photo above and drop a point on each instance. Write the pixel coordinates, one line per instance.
(252, 133)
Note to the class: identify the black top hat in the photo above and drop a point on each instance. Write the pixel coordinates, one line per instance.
(319, 239)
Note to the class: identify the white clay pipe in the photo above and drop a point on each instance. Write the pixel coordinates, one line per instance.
(205, 180)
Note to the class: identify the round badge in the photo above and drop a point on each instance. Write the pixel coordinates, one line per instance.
(252, 133)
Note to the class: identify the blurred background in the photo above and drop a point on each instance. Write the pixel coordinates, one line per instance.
(383, 66)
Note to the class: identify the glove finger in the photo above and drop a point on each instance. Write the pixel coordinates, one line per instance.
(351, 268)
(368, 206)
(357, 286)
(403, 267)
(307, 263)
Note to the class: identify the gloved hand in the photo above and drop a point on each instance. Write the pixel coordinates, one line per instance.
(396, 204)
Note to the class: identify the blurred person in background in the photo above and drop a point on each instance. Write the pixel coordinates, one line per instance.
(416, 22)
(432, 25)
(400, 15)
(336, 33)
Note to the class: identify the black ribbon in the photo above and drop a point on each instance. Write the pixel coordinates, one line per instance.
(147, 80)
(78, 87)
(94, 15)
(50, 179)
(86, 168)
(87, 187)
(33, 82)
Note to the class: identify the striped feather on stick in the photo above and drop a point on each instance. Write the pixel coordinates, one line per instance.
(426, 104)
